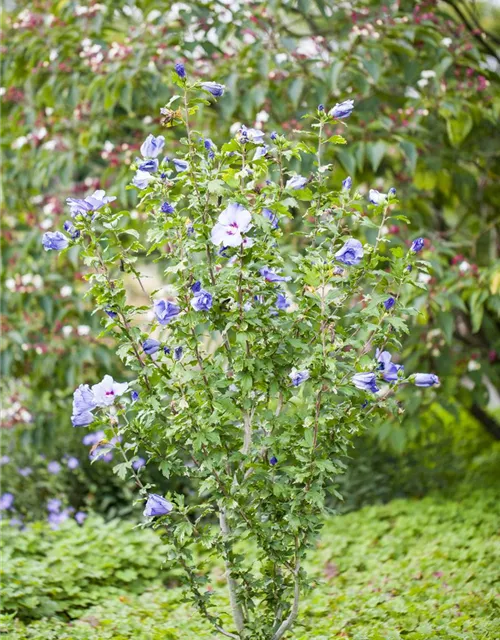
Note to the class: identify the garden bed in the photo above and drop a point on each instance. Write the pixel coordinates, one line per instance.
(409, 569)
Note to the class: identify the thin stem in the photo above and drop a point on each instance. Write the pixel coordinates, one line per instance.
(125, 328)
(199, 600)
(247, 438)
(195, 184)
(320, 174)
(198, 358)
(124, 456)
(379, 235)
(240, 285)
(315, 435)
(280, 165)
(231, 582)
(286, 624)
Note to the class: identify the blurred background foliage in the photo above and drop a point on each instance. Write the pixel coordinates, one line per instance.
(82, 86)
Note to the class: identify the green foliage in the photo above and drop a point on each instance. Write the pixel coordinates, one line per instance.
(61, 572)
(389, 462)
(436, 141)
(411, 569)
(81, 82)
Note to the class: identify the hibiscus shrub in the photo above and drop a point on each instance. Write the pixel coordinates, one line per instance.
(265, 353)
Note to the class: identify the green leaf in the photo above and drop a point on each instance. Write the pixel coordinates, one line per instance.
(410, 151)
(459, 127)
(375, 152)
(477, 308)
(347, 161)
(447, 323)
(337, 140)
(295, 90)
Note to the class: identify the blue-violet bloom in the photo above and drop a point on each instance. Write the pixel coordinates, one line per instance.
(91, 203)
(83, 399)
(166, 207)
(93, 438)
(152, 147)
(54, 467)
(426, 379)
(298, 377)
(54, 241)
(55, 519)
(297, 182)
(272, 217)
(142, 179)
(202, 300)
(178, 353)
(342, 109)
(260, 152)
(150, 165)
(180, 70)
(214, 88)
(25, 471)
(72, 463)
(157, 506)
(365, 381)
(389, 303)
(53, 505)
(69, 228)
(388, 368)
(271, 276)
(151, 346)
(281, 302)
(417, 245)
(6, 501)
(165, 311)
(80, 517)
(245, 134)
(351, 253)
(137, 464)
(82, 419)
(347, 183)
(180, 165)
(375, 197)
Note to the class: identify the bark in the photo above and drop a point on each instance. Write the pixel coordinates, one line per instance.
(489, 423)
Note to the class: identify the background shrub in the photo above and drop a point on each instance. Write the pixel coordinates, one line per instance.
(80, 84)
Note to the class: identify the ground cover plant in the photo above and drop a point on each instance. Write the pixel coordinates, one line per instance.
(410, 569)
